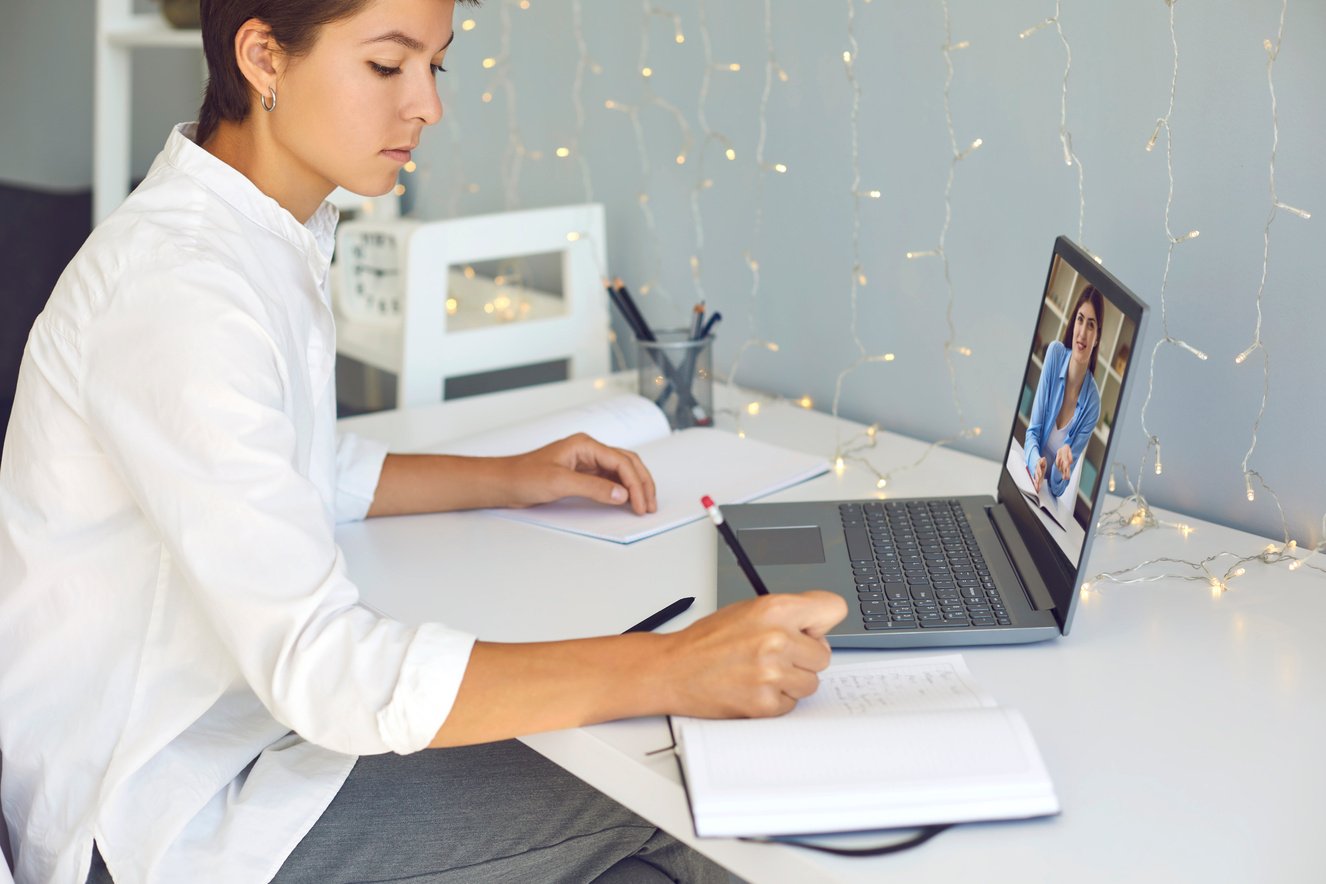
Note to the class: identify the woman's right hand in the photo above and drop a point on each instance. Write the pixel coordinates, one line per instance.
(753, 659)
(1038, 475)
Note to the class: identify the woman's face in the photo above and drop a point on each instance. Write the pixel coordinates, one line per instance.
(1086, 331)
(351, 110)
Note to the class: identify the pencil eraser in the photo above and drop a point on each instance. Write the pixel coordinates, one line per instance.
(706, 501)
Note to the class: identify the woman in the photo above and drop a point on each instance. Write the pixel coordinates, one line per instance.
(188, 680)
(1067, 403)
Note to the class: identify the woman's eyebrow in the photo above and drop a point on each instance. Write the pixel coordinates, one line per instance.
(406, 40)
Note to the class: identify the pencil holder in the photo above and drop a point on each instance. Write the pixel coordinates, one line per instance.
(676, 373)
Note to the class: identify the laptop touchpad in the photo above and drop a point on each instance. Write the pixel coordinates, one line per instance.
(790, 545)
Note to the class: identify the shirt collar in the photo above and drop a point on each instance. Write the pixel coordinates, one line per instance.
(315, 239)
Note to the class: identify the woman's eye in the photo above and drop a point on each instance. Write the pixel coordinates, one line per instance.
(383, 70)
(437, 69)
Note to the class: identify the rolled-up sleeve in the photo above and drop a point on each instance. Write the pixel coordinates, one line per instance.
(187, 389)
(358, 468)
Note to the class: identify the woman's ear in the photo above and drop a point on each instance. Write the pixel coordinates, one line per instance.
(258, 55)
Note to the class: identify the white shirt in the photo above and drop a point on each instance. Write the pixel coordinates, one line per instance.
(172, 600)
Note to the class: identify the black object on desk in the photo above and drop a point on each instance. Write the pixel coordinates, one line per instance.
(654, 621)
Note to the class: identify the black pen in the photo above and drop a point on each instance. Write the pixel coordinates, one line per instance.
(710, 323)
(733, 544)
(654, 621)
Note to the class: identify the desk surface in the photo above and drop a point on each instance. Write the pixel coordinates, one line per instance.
(1183, 729)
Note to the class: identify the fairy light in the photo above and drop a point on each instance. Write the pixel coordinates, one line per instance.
(583, 63)
(653, 282)
(1272, 53)
(956, 157)
(1066, 137)
(1164, 125)
(693, 155)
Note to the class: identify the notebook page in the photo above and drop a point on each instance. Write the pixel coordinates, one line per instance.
(854, 689)
(685, 465)
(624, 421)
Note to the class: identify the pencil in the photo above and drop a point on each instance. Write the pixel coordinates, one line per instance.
(733, 544)
(643, 331)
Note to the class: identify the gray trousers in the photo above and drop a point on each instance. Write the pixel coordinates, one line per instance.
(498, 812)
(493, 813)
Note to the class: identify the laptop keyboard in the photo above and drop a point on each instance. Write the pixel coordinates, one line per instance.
(916, 564)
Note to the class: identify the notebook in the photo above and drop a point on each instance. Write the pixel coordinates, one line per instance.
(882, 744)
(974, 570)
(684, 464)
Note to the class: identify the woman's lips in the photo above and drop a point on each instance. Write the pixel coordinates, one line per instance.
(398, 156)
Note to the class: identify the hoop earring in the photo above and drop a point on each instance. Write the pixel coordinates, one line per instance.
(263, 101)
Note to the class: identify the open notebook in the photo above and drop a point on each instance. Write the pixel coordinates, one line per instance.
(685, 465)
(880, 745)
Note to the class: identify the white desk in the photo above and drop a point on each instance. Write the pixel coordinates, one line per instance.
(1184, 730)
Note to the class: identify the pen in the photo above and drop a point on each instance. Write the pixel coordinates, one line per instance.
(629, 317)
(713, 320)
(697, 321)
(654, 621)
(642, 328)
(733, 544)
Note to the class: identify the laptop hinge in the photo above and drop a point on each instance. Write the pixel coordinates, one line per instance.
(1038, 594)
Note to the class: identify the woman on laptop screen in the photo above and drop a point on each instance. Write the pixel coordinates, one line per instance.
(1067, 403)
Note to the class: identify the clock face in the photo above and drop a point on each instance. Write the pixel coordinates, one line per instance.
(371, 279)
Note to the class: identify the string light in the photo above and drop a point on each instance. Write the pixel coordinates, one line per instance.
(685, 152)
(1163, 124)
(583, 63)
(771, 68)
(859, 278)
(956, 157)
(1065, 137)
(864, 356)
(1272, 53)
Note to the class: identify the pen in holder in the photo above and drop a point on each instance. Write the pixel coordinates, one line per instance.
(676, 373)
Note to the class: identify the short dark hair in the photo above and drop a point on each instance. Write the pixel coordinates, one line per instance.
(1092, 294)
(295, 25)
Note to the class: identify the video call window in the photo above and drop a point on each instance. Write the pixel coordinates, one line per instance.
(1078, 326)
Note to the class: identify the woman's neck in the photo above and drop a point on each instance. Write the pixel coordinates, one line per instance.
(252, 152)
(1077, 371)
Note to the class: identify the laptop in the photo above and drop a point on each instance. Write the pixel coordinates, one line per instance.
(977, 570)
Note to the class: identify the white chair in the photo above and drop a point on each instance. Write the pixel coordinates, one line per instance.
(430, 345)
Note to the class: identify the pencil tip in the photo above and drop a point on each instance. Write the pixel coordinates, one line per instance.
(706, 501)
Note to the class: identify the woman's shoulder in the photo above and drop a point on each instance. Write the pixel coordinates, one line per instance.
(1056, 350)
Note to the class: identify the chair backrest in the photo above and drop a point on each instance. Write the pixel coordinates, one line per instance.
(579, 334)
(6, 850)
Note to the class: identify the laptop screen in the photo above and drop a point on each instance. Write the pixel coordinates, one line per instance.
(1072, 390)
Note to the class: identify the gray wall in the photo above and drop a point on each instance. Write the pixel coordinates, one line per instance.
(1009, 199)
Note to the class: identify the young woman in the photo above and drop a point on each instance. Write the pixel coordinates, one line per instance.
(1067, 403)
(191, 690)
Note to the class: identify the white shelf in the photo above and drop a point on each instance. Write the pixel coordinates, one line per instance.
(150, 30)
(119, 32)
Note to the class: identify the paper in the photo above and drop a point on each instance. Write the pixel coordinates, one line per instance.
(685, 465)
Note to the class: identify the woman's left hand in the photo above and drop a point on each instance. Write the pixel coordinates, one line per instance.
(580, 466)
(1063, 461)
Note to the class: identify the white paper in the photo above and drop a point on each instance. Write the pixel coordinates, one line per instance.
(686, 465)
